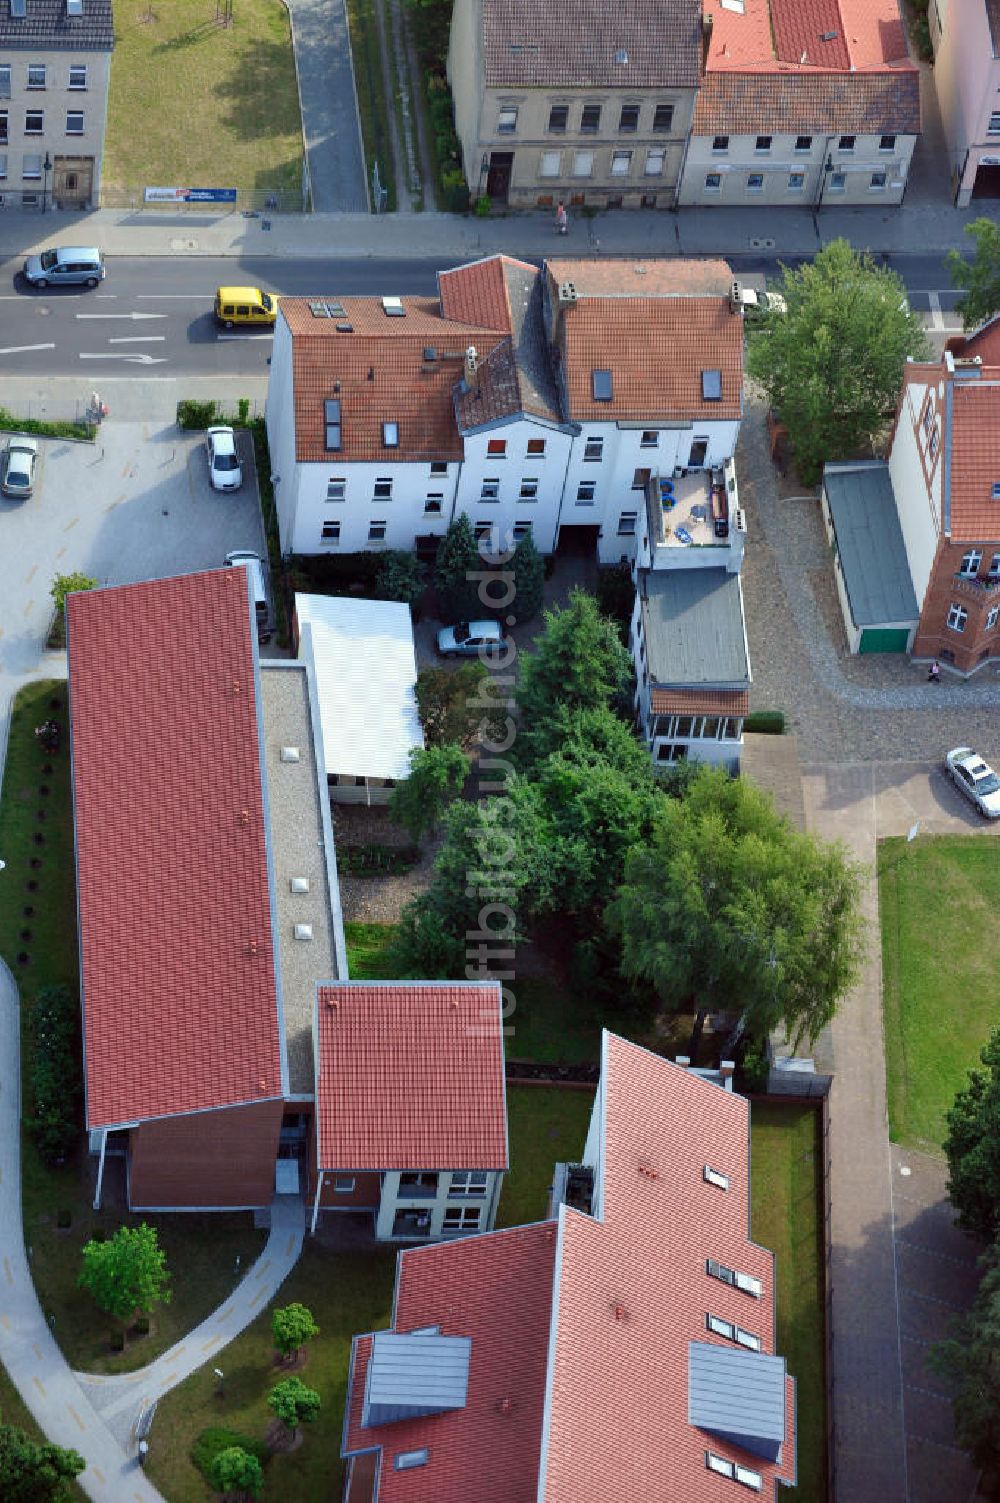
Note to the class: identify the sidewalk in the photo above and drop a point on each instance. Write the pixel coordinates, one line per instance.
(922, 228)
(121, 1400)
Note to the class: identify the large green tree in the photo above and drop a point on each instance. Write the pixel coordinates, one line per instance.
(236, 1471)
(832, 364)
(33, 1473)
(980, 277)
(461, 704)
(294, 1404)
(435, 778)
(970, 1360)
(727, 907)
(528, 568)
(456, 573)
(578, 661)
(127, 1275)
(292, 1326)
(972, 1146)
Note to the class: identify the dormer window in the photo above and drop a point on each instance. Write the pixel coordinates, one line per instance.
(390, 435)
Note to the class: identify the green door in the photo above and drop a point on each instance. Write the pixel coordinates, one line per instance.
(884, 639)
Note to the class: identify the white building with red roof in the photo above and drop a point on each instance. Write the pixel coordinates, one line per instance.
(624, 1349)
(531, 401)
(803, 103)
(411, 1107)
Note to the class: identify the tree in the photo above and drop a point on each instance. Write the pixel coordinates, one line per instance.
(728, 906)
(832, 364)
(579, 661)
(292, 1326)
(435, 778)
(128, 1274)
(64, 584)
(969, 1361)
(459, 705)
(979, 277)
(455, 573)
(236, 1471)
(529, 579)
(33, 1473)
(972, 1147)
(401, 576)
(294, 1404)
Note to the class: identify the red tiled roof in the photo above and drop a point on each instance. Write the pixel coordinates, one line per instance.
(640, 276)
(497, 1289)
(984, 341)
(411, 1076)
(179, 1014)
(477, 293)
(633, 1291)
(656, 349)
(807, 102)
(975, 458)
(700, 701)
(835, 35)
(523, 45)
(402, 387)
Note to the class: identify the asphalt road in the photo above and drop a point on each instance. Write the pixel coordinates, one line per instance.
(154, 313)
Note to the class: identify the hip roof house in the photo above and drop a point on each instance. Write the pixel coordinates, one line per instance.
(623, 1349)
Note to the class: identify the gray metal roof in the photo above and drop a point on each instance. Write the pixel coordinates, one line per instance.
(870, 543)
(46, 27)
(693, 624)
(413, 1375)
(738, 1395)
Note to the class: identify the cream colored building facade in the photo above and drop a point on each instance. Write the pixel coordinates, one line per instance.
(588, 113)
(808, 167)
(55, 66)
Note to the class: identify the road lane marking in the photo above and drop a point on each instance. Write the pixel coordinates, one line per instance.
(6, 1325)
(98, 1474)
(40, 1386)
(138, 339)
(121, 315)
(77, 1418)
(225, 1314)
(245, 338)
(25, 349)
(209, 1344)
(121, 355)
(937, 322)
(291, 1244)
(31, 574)
(70, 525)
(263, 1267)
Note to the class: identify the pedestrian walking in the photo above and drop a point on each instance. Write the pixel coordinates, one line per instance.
(562, 219)
(934, 672)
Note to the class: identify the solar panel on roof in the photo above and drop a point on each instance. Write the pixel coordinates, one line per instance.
(711, 386)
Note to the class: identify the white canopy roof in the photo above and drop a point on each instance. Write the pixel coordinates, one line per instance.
(366, 670)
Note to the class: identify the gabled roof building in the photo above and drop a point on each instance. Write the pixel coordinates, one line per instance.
(623, 1349)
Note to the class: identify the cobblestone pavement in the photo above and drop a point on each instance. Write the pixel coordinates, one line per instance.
(835, 702)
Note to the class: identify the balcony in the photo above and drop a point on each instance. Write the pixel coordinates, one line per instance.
(572, 1185)
(695, 518)
(977, 586)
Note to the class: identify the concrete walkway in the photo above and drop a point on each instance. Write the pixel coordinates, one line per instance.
(120, 1400)
(27, 1349)
(328, 103)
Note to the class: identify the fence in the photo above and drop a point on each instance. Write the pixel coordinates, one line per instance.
(277, 200)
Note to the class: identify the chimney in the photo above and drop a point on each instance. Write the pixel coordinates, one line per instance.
(727, 1069)
(684, 1060)
(471, 368)
(735, 297)
(567, 292)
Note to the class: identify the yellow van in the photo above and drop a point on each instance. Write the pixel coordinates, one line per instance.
(245, 305)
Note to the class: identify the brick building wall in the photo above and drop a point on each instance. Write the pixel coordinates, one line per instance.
(971, 601)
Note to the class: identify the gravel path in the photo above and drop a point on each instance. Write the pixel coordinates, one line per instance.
(377, 900)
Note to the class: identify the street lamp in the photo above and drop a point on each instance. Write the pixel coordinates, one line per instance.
(47, 168)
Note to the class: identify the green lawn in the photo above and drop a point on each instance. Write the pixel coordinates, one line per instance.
(348, 1294)
(938, 901)
(786, 1216)
(546, 1125)
(196, 103)
(366, 951)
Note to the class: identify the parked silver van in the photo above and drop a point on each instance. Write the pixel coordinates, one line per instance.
(254, 565)
(66, 266)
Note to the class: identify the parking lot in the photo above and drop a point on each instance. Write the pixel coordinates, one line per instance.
(135, 505)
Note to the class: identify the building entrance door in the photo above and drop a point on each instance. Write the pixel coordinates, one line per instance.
(498, 180)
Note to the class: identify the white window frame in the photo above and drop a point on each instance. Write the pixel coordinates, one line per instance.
(343, 1184)
(405, 1461)
(763, 151)
(874, 186)
(749, 1477)
(720, 1327)
(971, 561)
(521, 530)
(330, 531)
(30, 131)
(720, 1464)
(992, 617)
(382, 489)
(36, 76)
(796, 182)
(803, 150)
(390, 435)
(536, 452)
(934, 442)
(720, 145)
(77, 76)
(713, 182)
(650, 438)
(459, 1218)
(993, 128)
(529, 489)
(3, 166)
(593, 449)
(31, 167)
(490, 488)
(958, 617)
(621, 161)
(496, 448)
(434, 504)
(336, 488)
(883, 138)
(847, 136)
(583, 164)
(656, 161)
(550, 164)
(627, 524)
(507, 120)
(995, 566)
(755, 182)
(586, 485)
(374, 534)
(837, 183)
(468, 1181)
(716, 1177)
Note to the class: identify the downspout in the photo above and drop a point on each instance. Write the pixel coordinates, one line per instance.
(319, 1190)
(100, 1170)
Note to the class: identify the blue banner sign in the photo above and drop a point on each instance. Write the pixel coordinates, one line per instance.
(190, 195)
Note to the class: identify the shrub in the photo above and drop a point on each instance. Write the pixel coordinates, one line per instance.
(377, 860)
(616, 596)
(483, 206)
(216, 1439)
(141, 1326)
(401, 576)
(243, 408)
(766, 722)
(42, 428)
(55, 1071)
(193, 414)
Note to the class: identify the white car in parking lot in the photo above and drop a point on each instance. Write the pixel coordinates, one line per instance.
(976, 779)
(224, 469)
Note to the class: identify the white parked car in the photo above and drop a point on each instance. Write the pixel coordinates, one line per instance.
(468, 638)
(976, 779)
(17, 468)
(223, 461)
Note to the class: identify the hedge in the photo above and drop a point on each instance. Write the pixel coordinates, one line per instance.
(766, 722)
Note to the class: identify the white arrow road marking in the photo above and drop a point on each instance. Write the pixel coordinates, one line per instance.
(138, 339)
(121, 315)
(23, 349)
(121, 355)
